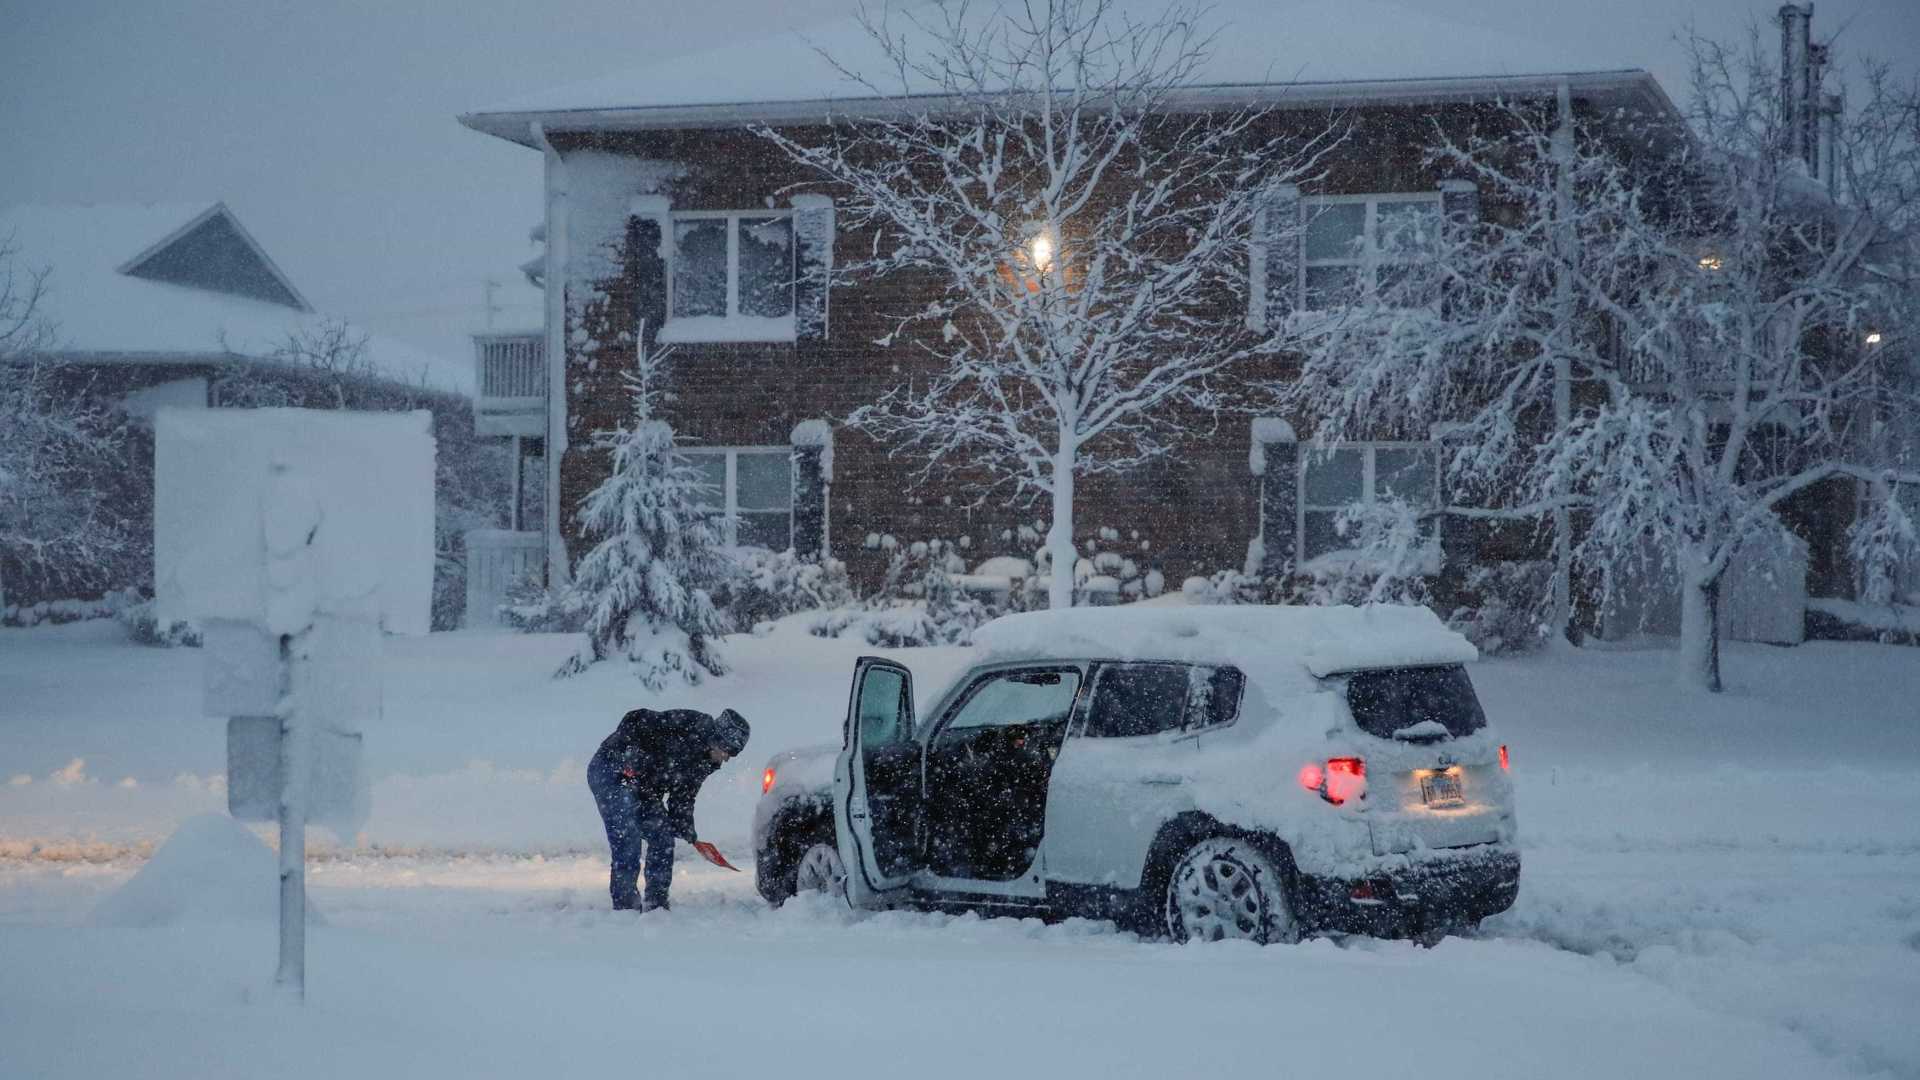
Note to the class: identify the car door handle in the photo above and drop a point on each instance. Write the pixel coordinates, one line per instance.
(1165, 779)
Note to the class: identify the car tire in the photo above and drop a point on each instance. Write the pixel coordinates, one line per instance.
(820, 869)
(1226, 888)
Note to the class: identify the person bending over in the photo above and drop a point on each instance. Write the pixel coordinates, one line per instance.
(644, 779)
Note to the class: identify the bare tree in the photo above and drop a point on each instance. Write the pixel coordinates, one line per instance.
(1084, 224)
(1736, 329)
(57, 440)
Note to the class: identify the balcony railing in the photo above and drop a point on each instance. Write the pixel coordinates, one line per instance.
(511, 371)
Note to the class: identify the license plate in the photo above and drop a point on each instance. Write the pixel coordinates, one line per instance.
(1441, 789)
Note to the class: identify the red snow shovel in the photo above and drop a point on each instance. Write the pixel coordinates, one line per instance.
(712, 854)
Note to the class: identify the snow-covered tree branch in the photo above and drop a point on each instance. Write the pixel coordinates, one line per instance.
(57, 440)
(1734, 332)
(1086, 232)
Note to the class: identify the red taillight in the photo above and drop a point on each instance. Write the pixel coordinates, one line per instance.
(1346, 779)
(1311, 778)
(1503, 757)
(766, 781)
(1341, 779)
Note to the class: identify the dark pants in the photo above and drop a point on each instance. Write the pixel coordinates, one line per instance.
(632, 819)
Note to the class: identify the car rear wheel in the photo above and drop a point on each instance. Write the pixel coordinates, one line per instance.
(1224, 888)
(820, 870)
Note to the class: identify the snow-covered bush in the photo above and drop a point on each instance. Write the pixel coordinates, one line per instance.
(54, 612)
(919, 601)
(532, 608)
(1504, 606)
(144, 629)
(647, 584)
(768, 585)
(1225, 587)
(1110, 568)
(1392, 557)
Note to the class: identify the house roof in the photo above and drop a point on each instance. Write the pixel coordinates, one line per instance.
(1288, 53)
(176, 283)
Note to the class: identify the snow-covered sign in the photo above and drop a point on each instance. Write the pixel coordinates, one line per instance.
(370, 475)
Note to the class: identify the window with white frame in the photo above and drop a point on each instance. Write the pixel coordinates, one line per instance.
(752, 493)
(1331, 481)
(1354, 243)
(731, 277)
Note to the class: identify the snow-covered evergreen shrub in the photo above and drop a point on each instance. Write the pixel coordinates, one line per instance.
(768, 585)
(1504, 606)
(647, 584)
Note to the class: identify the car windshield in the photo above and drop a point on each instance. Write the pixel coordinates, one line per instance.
(1417, 704)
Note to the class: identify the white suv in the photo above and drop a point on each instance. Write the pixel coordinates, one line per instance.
(1202, 772)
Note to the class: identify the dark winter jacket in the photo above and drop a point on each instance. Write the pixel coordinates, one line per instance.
(664, 757)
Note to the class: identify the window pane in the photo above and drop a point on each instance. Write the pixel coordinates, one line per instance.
(700, 267)
(1213, 695)
(1335, 479)
(712, 468)
(1137, 699)
(773, 531)
(1396, 699)
(883, 708)
(1317, 535)
(1406, 229)
(1331, 286)
(764, 481)
(1020, 697)
(1333, 230)
(1405, 473)
(766, 266)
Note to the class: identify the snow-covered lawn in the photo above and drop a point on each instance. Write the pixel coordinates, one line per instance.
(1714, 886)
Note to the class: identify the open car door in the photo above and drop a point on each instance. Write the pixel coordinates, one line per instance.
(877, 784)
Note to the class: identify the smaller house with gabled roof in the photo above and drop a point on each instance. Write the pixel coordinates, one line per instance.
(178, 305)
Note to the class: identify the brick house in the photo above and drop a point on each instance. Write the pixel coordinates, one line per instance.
(668, 221)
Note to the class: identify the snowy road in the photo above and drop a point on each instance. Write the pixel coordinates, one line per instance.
(512, 966)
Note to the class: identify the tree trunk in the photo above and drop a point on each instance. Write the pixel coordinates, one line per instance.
(1060, 550)
(1699, 628)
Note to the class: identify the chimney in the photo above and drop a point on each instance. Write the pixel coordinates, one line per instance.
(1799, 82)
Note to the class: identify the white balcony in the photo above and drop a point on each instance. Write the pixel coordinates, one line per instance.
(511, 372)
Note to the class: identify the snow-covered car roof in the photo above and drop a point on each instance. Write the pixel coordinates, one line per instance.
(1255, 638)
(1303, 53)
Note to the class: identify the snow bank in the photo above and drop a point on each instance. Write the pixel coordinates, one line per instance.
(1256, 638)
(211, 870)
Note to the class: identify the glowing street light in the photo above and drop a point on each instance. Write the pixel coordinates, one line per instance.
(1040, 252)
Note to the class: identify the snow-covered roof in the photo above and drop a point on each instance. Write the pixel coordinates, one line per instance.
(127, 283)
(1304, 52)
(1254, 637)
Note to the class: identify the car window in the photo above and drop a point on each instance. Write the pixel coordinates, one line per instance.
(1136, 699)
(1415, 700)
(1018, 697)
(1213, 695)
(882, 709)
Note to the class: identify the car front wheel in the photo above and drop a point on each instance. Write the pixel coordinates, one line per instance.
(1224, 888)
(820, 870)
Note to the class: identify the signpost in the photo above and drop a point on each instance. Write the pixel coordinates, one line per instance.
(296, 539)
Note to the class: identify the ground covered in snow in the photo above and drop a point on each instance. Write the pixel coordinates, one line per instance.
(1724, 886)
